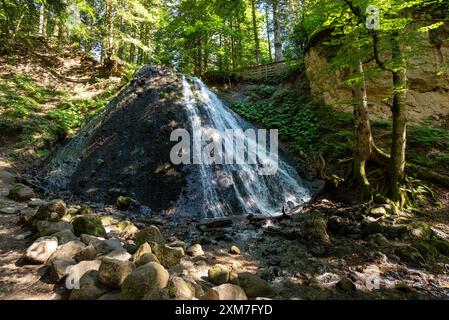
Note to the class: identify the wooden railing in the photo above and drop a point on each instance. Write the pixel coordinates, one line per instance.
(266, 71)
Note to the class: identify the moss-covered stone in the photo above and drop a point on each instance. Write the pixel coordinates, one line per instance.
(144, 255)
(253, 285)
(21, 192)
(426, 249)
(88, 224)
(127, 229)
(124, 202)
(410, 255)
(378, 239)
(420, 230)
(149, 234)
(442, 246)
(84, 210)
(372, 228)
(315, 229)
(52, 210)
(218, 274)
(143, 280)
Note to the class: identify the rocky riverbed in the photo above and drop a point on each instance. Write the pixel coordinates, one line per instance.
(324, 250)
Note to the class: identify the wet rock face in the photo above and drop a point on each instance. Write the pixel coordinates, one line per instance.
(128, 147)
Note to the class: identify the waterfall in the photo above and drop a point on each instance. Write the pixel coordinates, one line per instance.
(218, 190)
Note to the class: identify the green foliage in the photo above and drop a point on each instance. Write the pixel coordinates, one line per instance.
(296, 122)
(22, 102)
(264, 90)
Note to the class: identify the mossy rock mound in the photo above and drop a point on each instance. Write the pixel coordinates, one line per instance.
(21, 192)
(420, 230)
(88, 224)
(426, 249)
(218, 274)
(372, 228)
(124, 202)
(315, 229)
(54, 210)
(140, 282)
(410, 255)
(442, 246)
(149, 234)
(253, 285)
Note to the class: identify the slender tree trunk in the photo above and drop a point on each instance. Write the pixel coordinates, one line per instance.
(220, 56)
(233, 49)
(109, 31)
(364, 138)
(256, 31)
(41, 30)
(277, 32)
(398, 145)
(267, 18)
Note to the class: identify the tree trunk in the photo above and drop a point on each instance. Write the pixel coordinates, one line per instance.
(109, 52)
(398, 145)
(41, 30)
(364, 138)
(277, 32)
(256, 32)
(267, 18)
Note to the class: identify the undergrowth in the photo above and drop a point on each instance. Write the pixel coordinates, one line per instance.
(43, 116)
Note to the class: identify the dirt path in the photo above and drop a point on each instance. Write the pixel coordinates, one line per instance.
(16, 282)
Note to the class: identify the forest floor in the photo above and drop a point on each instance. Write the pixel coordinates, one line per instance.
(363, 255)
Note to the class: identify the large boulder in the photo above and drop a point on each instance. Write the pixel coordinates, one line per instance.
(218, 274)
(27, 217)
(144, 255)
(41, 249)
(183, 289)
(88, 224)
(442, 246)
(149, 234)
(89, 288)
(67, 250)
(59, 268)
(253, 285)
(419, 230)
(143, 280)
(195, 250)
(75, 273)
(102, 245)
(65, 236)
(88, 253)
(225, 291)
(21, 192)
(119, 254)
(127, 229)
(410, 255)
(315, 229)
(169, 256)
(372, 228)
(53, 210)
(113, 272)
(46, 228)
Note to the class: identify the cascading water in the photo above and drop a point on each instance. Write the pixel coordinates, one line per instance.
(226, 189)
(127, 148)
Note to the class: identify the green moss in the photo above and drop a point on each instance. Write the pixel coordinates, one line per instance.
(426, 249)
(88, 224)
(410, 255)
(442, 246)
